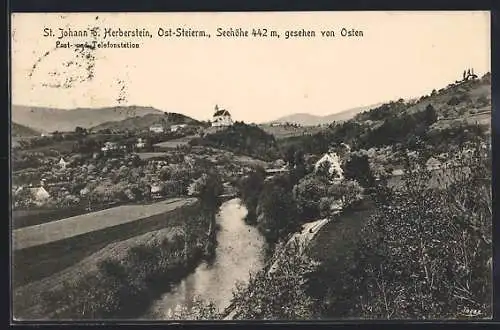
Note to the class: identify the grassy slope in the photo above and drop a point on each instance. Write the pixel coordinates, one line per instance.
(336, 239)
(45, 260)
(283, 132)
(82, 224)
(19, 130)
(27, 298)
(144, 122)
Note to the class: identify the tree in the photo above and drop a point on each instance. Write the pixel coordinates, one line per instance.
(308, 193)
(430, 115)
(358, 168)
(278, 295)
(250, 188)
(276, 211)
(80, 130)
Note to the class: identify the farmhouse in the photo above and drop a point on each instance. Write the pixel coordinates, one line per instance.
(333, 162)
(36, 195)
(398, 172)
(140, 143)
(221, 118)
(157, 190)
(156, 128)
(108, 146)
(62, 163)
(433, 164)
(175, 128)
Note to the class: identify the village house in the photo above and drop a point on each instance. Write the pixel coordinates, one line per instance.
(398, 172)
(277, 124)
(62, 163)
(176, 128)
(157, 128)
(108, 146)
(221, 118)
(334, 169)
(141, 143)
(433, 164)
(36, 195)
(157, 190)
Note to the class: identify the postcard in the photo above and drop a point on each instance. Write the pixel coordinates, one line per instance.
(251, 166)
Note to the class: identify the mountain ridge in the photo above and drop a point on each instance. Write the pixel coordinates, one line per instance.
(306, 119)
(46, 119)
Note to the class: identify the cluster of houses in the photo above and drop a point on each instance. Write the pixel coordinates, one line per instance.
(159, 128)
(220, 118)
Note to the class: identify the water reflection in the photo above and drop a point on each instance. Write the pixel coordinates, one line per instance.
(239, 251)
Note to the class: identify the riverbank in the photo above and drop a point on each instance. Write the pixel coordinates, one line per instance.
(122, 279)
(238, 253)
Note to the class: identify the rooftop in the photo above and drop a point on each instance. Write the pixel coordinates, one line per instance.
(221, 113)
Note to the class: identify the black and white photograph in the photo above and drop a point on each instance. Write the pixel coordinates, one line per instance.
(251, 166)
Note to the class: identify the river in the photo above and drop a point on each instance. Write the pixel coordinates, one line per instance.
(239, 251)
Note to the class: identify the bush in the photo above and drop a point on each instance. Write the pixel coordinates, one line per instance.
(280, 294)
(276, 210)
(250, 188)
(426, 252)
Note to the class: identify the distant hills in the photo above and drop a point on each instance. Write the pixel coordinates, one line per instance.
(145, 121)
(22, 131)
(306, 119)
(51, 119)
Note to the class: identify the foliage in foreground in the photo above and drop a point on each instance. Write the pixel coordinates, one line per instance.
(280, 294)
(425, 253)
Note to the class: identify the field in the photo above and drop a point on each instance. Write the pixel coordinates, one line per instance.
(51, 247)
(62, 229)
(338, 237)
(27, 298)
(172, 144)
(35, 216)
(249, 161)
(439, 178)
(282, 132)
(151, 155)
(482, 118)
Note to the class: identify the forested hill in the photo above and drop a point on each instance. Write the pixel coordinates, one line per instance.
(139, 123)
(451, 112)
(242, 139)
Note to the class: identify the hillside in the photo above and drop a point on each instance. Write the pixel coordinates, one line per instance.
(440, 118)
(51, 119)
(306, 119)
(468, 102)
(22, 131)
(144, 122)
(242, 139)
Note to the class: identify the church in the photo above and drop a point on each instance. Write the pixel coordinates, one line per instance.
(221, 118)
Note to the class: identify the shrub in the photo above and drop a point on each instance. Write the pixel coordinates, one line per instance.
(280, 294)
(425, 253)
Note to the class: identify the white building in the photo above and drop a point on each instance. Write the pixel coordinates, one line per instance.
(433, 164)
(221, 118)
(38, 195)
(156, 128)
(175, 128)
(140, 143)
(62, 163)
(333, 160)
(108, 146)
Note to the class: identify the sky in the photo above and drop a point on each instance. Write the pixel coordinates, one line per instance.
(401, 55)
